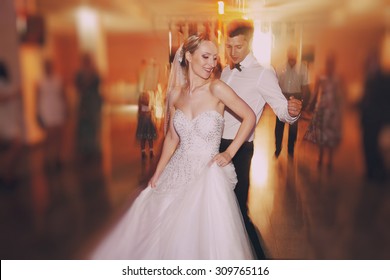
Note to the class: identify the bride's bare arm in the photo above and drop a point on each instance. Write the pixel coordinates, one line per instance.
(228, 97)
(170, 143)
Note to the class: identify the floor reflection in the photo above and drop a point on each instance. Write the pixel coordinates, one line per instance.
(302, 212)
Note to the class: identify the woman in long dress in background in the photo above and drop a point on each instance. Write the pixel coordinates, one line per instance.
(146, 129)
(325, 127)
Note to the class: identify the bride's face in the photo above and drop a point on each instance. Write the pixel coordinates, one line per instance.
(204, 59)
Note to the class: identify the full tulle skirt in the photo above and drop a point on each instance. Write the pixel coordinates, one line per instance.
(201, 221)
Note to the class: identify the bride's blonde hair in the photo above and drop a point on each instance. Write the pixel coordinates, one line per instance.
(191, 45)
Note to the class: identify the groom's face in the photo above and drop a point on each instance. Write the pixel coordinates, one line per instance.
(237, 48)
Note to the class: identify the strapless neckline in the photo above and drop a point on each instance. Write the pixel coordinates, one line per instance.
(200, 114)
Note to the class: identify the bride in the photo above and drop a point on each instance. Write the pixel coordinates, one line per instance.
(189, 209)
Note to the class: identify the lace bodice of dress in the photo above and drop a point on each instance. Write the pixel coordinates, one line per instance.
(199, 143)
(201, 135)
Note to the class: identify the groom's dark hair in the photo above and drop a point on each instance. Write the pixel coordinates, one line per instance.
(241, 27)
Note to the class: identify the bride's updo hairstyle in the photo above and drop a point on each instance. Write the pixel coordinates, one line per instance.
(191, 45)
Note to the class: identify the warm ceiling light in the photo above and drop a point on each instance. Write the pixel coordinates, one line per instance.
(87, 17)
(262, 43)
(221, 7)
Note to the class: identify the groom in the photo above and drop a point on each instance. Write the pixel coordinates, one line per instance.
(257, 86)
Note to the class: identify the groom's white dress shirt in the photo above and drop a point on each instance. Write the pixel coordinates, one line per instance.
(256, 85)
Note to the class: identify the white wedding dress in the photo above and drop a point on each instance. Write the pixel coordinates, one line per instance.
(192, 213)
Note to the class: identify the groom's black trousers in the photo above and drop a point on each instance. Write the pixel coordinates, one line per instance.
(242, 163)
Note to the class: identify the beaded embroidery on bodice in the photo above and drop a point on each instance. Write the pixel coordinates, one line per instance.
(200, 138)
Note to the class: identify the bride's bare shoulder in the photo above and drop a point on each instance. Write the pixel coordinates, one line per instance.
(217, 86)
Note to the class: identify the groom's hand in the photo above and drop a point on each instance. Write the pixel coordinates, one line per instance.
(294, 106)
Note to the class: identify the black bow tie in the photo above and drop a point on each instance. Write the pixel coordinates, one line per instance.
(237, 66)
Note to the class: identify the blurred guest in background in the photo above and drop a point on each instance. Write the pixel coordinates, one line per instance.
(325, 126)
(87, 82)
(375, 116)
(52, 112)
(293, 81)
(10, 127)
(146, 129)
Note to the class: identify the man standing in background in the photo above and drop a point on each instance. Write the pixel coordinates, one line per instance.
(294, 82)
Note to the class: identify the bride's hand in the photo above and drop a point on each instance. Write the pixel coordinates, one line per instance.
(153, 181)
(222, 159)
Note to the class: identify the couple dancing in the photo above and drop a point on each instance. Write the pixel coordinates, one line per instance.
(191, 207)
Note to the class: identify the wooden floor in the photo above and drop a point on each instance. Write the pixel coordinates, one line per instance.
(302, 212)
